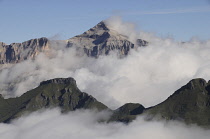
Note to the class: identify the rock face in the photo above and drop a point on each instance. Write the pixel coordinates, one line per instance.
(58, 92)
(17, 52)
(191, 104)
(100, 40)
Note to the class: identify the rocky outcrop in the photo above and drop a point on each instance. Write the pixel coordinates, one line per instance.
(101, 39)
(17, 52)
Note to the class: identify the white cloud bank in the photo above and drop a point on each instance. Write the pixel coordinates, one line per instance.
(147, 76)
(83, 124)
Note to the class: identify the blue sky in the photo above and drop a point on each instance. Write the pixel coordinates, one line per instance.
(21, 20)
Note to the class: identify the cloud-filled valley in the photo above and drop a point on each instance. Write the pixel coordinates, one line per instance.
(147, 75)
(83, 124)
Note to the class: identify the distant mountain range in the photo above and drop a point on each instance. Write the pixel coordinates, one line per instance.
(99, 40)
(190, 103)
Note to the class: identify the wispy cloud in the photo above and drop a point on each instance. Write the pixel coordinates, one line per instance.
(171, 11)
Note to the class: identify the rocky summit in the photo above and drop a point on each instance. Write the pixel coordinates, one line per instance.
(99, 40)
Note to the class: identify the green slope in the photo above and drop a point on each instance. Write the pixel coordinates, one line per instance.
(58, 92)
(191, 104)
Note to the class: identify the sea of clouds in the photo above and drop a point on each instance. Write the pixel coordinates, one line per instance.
(147, 75)
(84, 124)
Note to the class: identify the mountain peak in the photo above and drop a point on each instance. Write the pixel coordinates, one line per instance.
(101, 25)
(100, 40)
(190, 103)
(197, 83)
(60, 92)
(59, 81)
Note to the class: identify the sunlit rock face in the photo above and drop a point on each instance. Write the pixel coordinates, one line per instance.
(101, 39)
(17, 52)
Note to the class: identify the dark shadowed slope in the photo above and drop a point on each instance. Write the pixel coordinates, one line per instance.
(127, 112)
(58, 92)
(191, 104)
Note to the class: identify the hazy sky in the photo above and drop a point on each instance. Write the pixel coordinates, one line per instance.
(25, 19)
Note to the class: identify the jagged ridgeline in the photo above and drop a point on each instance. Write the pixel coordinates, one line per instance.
(99, 40)
(189, 104)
